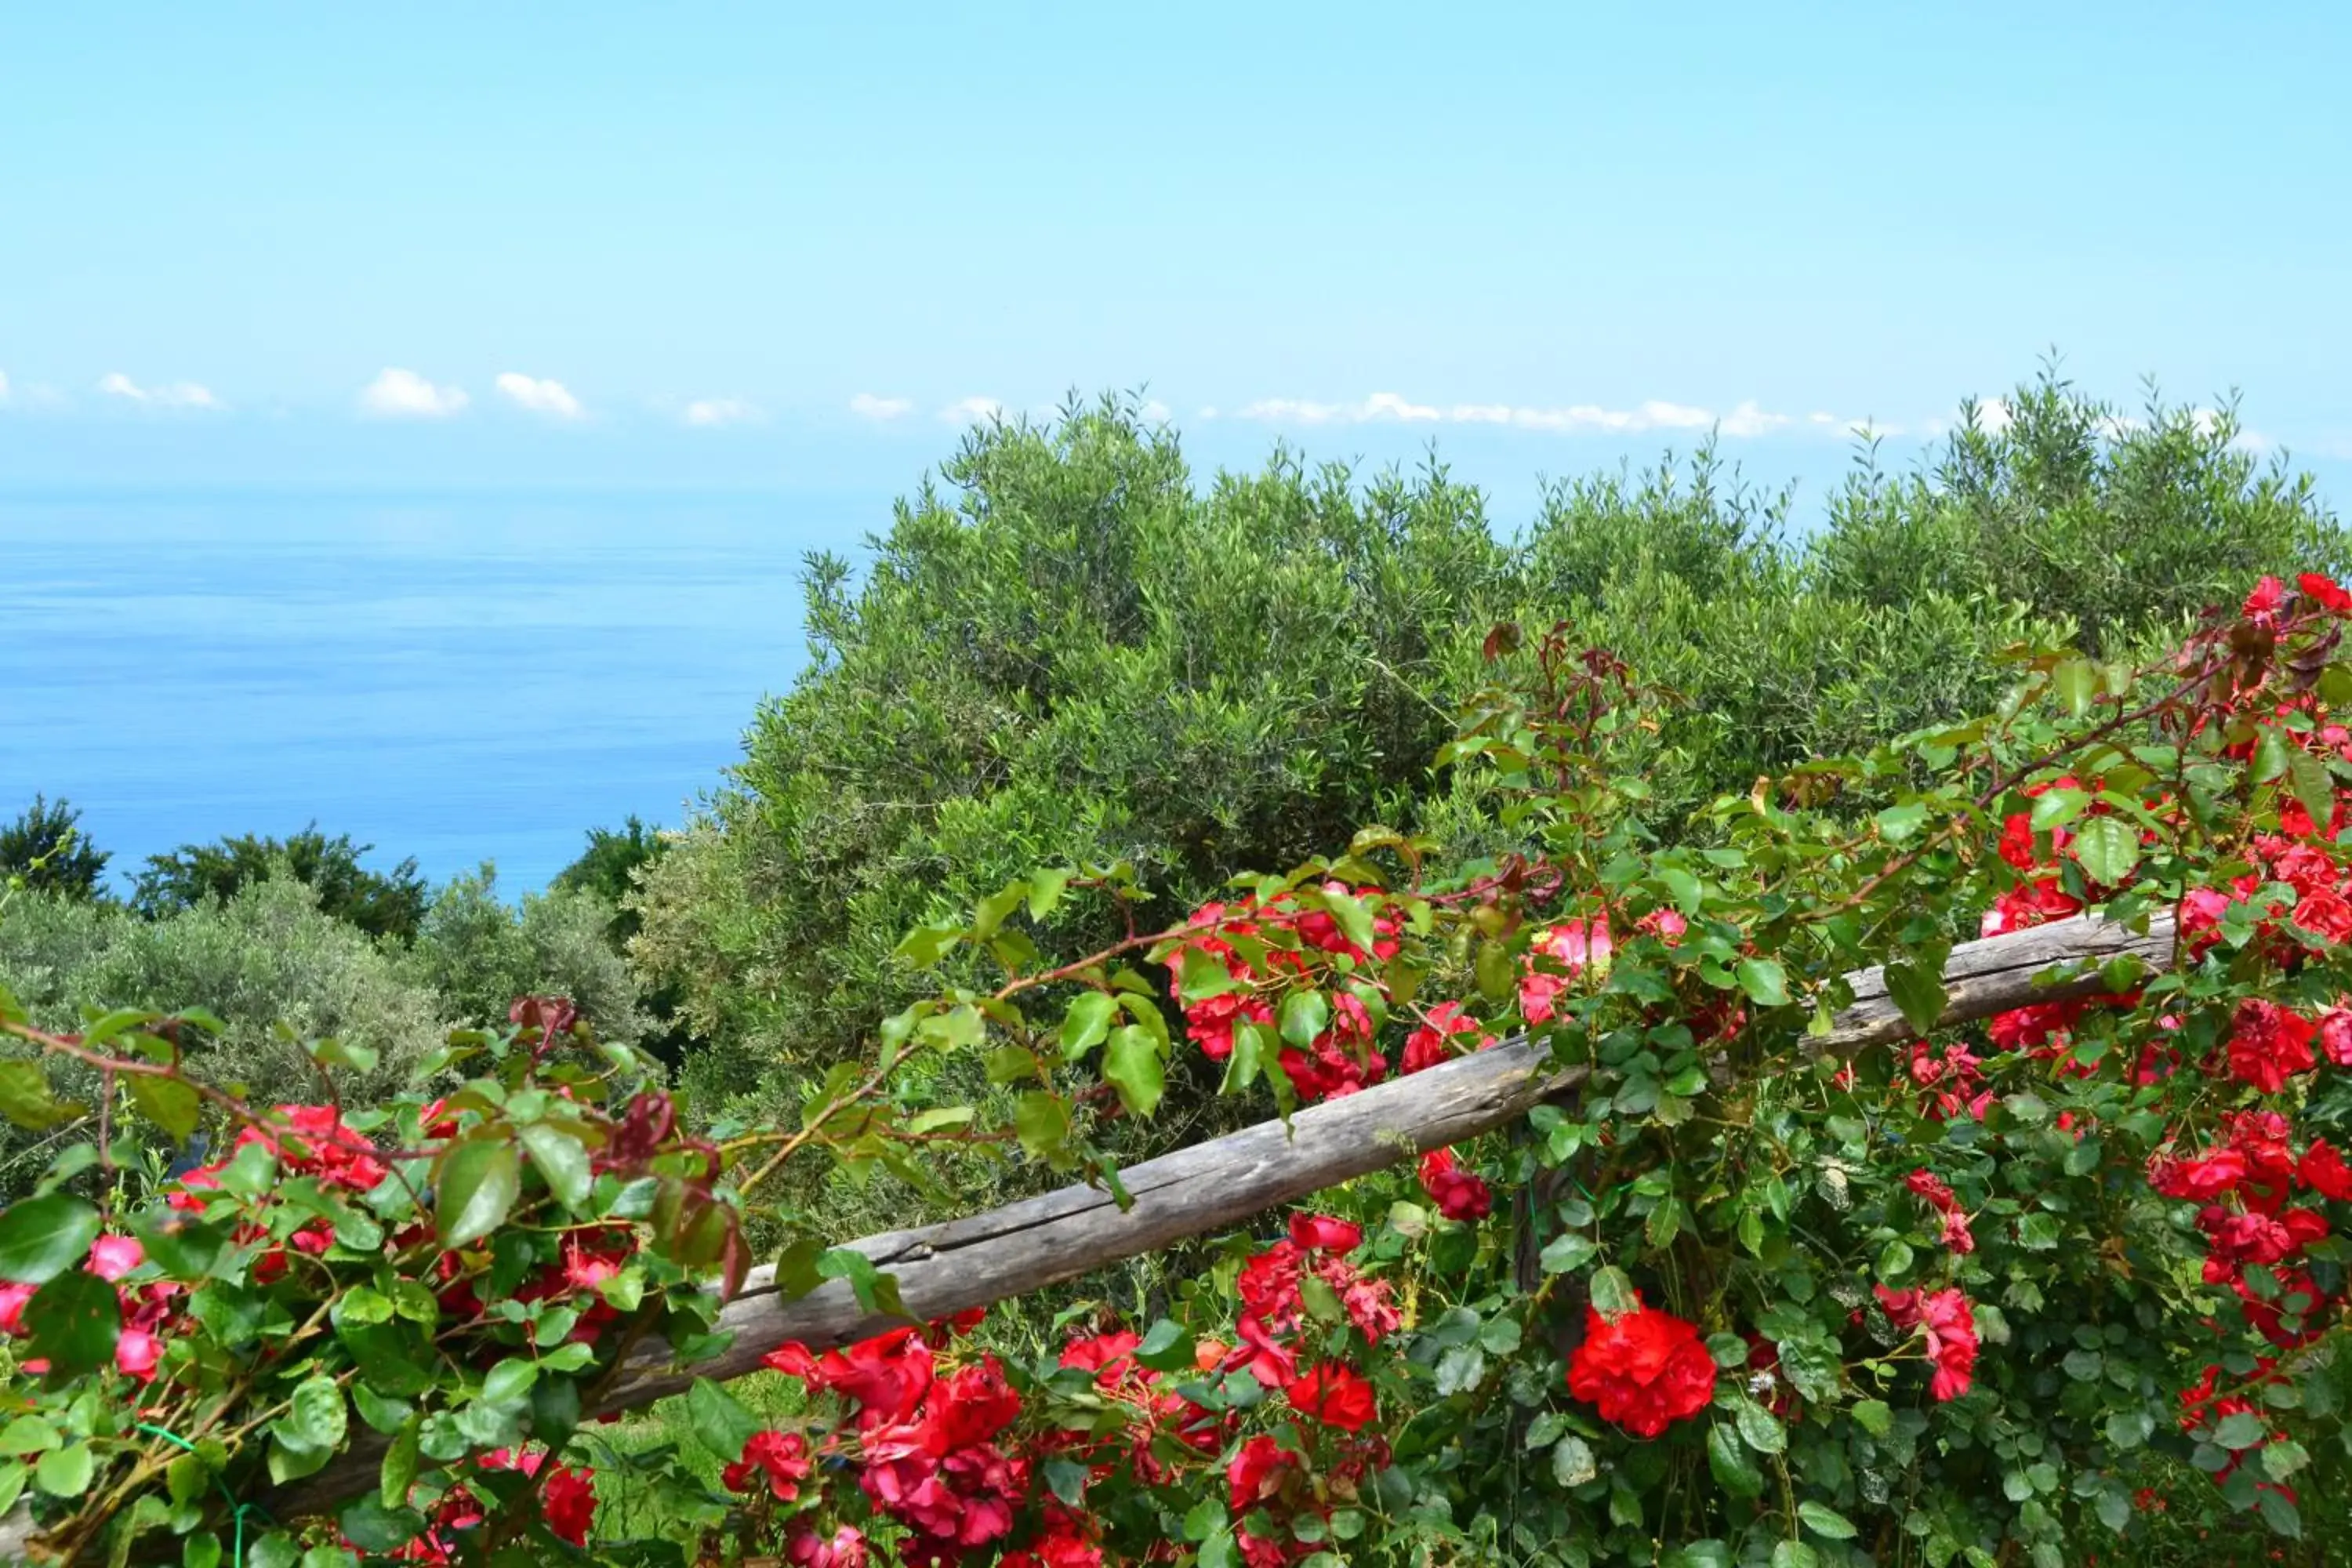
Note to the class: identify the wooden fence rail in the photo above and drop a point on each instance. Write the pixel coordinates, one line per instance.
(1022, 1247)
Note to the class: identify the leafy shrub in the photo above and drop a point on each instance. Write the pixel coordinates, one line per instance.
(1075, 649)
(45, 850)
(477, 954)
(380, 903)
(1780, 1282)
(267, 961)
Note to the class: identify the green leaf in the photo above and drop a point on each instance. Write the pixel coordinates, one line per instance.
(1727, 1461)
(41, 1238)
(480, 1181)
(563, 1162)
(1567, 1253)
(1572, 1463)
(1874, 1416)
(1612, 1293)
(509, 1382)
(315, 1418)
(168, 1103)
(2107, 847)
(385, 1414)
(1200, 975)
(67, 1471)
(875, 1292)
(74, 1320)
(924, 946)
(719, 1420)
(1766, 983)
(183, 1247)
(1305, 1015)
(1897, 823)
(2057, 807)
(1355, 919)
(2307, 776)
(1460, 1370)
(1826, 1521)
(28, 1435)
(26, 1100)
(372, 1525)
(1918, 992)
(2240, 1430)
(2076, 684)
(1795, 1554)
(1045, 889)
(1088, 1023)
(1132, 1065)
(361, 1305)
(2282, 1458)
(1759, 1428)
(1043, 1122)
(2279, 1514)
(274, 1549)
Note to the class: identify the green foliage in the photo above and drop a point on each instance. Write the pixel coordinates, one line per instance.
(1074, 651)
(477, 953)
(380, 903)
(44, 850)
(265, 957)
(609, 868)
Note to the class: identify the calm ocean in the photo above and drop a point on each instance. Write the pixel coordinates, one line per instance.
(459, 677)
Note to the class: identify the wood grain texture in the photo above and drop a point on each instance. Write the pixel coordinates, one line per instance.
(1022, 1247)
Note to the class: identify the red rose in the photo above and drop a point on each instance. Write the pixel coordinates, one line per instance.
(569, 1504)
(845, 1548)
(2323, 1169)
(1458, 1194)
(112, 1257)
(779, 1457)
(2325, 592)
(2268, 1044)
(2335, 1036)
(1259, 1472)
(1335, 1395)
(1321, 1233)
(2325, 912)
(1430, 1044)
(1644, 1369)
(1949, 1325)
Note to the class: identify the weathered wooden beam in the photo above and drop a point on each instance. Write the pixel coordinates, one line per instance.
(986, 1257)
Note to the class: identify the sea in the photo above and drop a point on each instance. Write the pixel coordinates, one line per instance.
(460, 678)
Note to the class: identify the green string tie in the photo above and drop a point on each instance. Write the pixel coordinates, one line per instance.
(237, 1510)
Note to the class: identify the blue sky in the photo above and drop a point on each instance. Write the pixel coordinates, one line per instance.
(778, 245)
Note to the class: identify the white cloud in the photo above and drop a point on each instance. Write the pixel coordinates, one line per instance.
(180, 394)
(1749, 420)
(1154, 412)
(1208, 411)
(1992, 417)
(397, 394)
(1291, 411)
(540, 396)
(865, 406)
(715, 411)
(1746, 420)
(4, 386)
(972, 411)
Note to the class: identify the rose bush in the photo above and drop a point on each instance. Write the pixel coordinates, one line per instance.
(2015, 1291)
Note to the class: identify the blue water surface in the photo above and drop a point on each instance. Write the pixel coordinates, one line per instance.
(459, 678)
